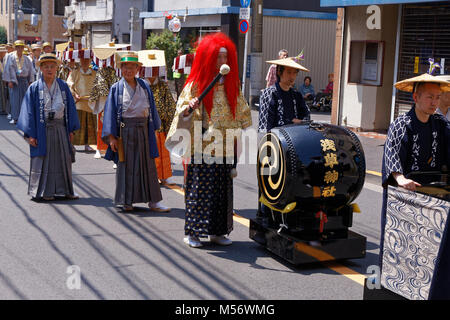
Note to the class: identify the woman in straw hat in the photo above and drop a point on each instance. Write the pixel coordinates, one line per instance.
(19, 74)
(418, 141)
(281, 104)
(48, 119)
(129, 125)
(222, 113)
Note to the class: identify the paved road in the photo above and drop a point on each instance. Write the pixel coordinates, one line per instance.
(141, 255)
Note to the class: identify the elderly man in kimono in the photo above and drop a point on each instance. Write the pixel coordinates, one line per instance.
(129, 124)
(48, 119)
(418, 141)
(3, 88)
(19, 74)
(36, 53)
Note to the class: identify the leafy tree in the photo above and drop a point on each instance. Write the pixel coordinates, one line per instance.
(168, 42)
(3, 35)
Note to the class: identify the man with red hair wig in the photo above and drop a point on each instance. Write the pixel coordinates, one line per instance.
(209, 184)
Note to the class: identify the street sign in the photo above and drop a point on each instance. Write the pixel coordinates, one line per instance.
(243, 26)
(245, 3)
(244, 13)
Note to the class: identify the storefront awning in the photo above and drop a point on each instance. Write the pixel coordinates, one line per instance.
(346, 3)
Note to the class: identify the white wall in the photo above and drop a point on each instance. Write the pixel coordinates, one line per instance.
(362, 106)
(163, 5)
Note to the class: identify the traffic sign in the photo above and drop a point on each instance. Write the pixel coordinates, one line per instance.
(245, 3)
(244, 13)
(243, 26)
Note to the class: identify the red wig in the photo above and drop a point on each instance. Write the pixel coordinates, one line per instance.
(204, 69)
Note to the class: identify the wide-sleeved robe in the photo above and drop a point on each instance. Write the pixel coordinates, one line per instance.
(209, 185)
(415, 146)
(133, 117)
(34, 123)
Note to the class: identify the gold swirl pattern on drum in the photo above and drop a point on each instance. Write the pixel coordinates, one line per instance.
(276, 166)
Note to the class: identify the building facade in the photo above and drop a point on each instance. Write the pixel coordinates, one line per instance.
(50, 26)
(291, 25)
(102, 21)
(380, 42)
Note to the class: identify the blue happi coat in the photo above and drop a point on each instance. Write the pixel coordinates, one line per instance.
(32, 118)
(113, 117)
(405, 151)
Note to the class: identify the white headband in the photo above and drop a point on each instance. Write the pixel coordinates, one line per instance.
(223, 50)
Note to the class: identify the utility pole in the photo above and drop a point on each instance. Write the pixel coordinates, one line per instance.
(256, 76)
(16, 23)
(134, 21)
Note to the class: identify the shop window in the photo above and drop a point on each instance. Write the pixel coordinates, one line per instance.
(60, 6)
(366, 62)
(31, 6)
(125, 38)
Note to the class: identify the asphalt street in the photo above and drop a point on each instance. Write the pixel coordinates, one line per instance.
(141, 255)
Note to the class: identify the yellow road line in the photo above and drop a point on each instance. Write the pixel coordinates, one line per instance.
(375, 173)
(320, 255)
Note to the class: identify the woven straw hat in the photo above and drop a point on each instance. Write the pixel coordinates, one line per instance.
(129, 57)
(292, 62)
(18, 43)
(408, 85)
(46, 57)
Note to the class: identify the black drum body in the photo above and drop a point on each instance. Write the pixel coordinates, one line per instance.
(319, 168)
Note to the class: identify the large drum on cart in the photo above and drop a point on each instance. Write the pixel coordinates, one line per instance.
(309, 174)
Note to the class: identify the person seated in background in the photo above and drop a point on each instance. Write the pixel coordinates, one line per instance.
(327, 92)
(307, 89)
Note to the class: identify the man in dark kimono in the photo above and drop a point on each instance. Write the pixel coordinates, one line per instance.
(419, 141)
(48, 118)
(280, 104)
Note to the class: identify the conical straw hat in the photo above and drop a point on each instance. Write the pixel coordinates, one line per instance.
(291, 62)
(409, 84)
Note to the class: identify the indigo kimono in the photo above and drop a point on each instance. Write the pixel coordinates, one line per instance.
(32, 119)
(415, 146)
(113, 117)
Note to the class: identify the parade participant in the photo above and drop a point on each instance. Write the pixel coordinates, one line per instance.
(271, 77)
(104, 79)
(281, 104)
(19, 74)
(417, 141)
(66, 68)
(47, 47)
(9, 47)
(48, 119)
(444, 102)
(179, 78)
(129, 126)
(36, 53)
(80, 82)
(3, 86)
(209, 184)
(165, 105)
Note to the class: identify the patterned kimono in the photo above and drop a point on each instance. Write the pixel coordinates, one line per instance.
(80, 83)
(278, 107)
(104, 79)
(21, 73)
(415, 146)
(165, 104)
(209, 185)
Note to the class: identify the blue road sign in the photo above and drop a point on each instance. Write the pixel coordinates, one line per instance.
(243, 26)
(245, 3)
